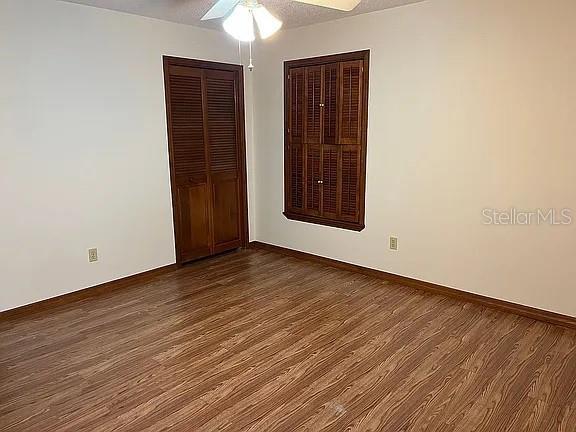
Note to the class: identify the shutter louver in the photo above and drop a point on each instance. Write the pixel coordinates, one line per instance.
(330, 103)
(297, 105)
(313, 100)
(296, 179)
(313, 178)
(351, 92)
(330, 179)
(349, 197)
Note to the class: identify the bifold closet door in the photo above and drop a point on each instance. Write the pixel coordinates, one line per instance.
(190, 180)
(222, 121)
(205, 135)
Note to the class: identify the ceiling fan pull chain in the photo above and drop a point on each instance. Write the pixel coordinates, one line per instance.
(240, 51)
(250, 65)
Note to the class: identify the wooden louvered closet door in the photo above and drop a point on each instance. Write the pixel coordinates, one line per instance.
(205, 132)
(326, 140)
(190, 180)
(223, 155)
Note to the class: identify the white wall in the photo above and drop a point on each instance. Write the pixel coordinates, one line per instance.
(83, 147)
(472, 105)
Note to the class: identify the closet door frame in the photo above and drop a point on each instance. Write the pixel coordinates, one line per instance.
(364, 56)
(238, 70)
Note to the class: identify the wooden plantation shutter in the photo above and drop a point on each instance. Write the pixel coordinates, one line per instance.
(350, 96)
(295, 130)
(326, 112)
(312, 138)
(330, 148)
(313, 104)
(296, 178)
(330, 180)
(297, 95)
(350, 174)
(313, 178)
(330, 130)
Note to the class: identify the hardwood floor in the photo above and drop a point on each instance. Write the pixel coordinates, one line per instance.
(257, 341)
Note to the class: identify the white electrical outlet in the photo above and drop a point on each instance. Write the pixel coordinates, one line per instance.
(92, 255)
(394, 243)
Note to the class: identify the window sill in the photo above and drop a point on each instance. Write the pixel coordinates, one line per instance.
(353, 226)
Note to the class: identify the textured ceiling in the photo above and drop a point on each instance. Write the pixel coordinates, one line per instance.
(292, 13)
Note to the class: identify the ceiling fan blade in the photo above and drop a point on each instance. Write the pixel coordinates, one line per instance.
(221, 8)
(343, 5)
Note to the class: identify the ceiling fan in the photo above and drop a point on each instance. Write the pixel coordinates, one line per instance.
(240, 23)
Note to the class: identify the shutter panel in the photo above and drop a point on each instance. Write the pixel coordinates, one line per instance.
(349, 197)
(296, 104)
(329, 180)
(351, 95)
(330, 103)
(295, 166)
(312, 179)
(313, 107)
(296, 178)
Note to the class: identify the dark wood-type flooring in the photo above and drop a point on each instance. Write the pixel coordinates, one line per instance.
(257, 341)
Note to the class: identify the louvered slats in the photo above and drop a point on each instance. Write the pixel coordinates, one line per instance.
(296, 179)
(313, 104)
(187, 126)
(330, 179)
(297, 94)
(350, 114)
(349, 196)
(221, 124)
(330, 103)
(313, 178)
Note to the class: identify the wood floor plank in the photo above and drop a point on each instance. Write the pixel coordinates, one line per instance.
(257, 341)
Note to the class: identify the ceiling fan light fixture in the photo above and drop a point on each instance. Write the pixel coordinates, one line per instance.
(268, 24)
(240, 24)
